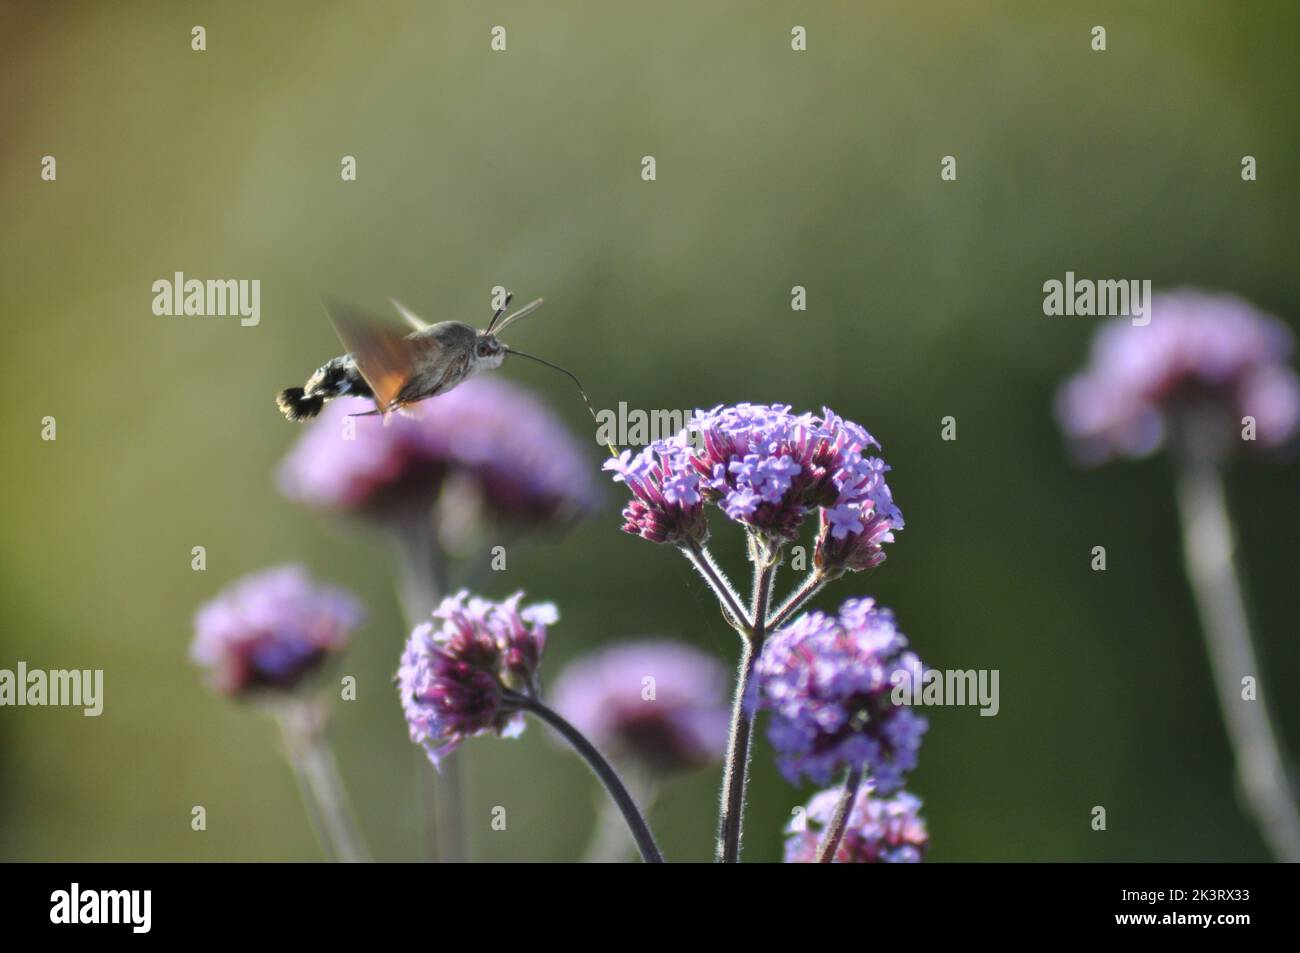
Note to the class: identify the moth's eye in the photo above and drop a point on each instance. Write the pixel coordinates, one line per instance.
(483, 350)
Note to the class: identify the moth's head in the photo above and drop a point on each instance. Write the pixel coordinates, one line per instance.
(488, 351)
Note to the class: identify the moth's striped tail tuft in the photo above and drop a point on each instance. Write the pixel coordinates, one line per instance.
(297, 406)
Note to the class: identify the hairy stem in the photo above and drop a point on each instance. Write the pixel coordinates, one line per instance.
(811, 585)
(736, 766)
(645, 841)
(1209, 547)
(840, 819)
(736, 771)
(728, 598)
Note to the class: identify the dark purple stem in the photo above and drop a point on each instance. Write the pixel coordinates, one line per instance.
(645, 841)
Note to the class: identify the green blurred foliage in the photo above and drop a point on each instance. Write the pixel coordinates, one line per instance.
(522, 168)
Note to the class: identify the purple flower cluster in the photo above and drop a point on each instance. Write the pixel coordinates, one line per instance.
(766, 468)
(879, 830)
(526, 463)
(667, 506)
(459, 671)
(658, 703)
(1204, 360)
(270, 629)
(827, 682)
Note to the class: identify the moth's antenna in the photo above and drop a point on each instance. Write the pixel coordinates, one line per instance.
(569, 374)
(500, 311)
(523, 312)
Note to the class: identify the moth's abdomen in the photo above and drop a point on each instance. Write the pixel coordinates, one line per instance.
(337, 377)
(297, 406)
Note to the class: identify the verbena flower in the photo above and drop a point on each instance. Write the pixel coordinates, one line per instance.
(827, 682)
(767, 469)
(459, 671)
(271, 629)
(1205, 361)
(525, 463)
(658, 703)
(667, 505)
(879, 830)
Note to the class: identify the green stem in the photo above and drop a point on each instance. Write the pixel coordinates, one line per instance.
(321, 787)
(728, 599)
(421, 583)
(736, 766)
(736, 770)
(840, 819)
(811, 585)
(1209, 546)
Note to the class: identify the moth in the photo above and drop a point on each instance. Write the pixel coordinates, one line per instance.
(397, 370)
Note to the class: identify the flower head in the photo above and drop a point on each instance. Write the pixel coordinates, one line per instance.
(766, 468)
(667, 506)
(879, 830)
(659, 703)
(270, 629)
(1203, 363)
(525, 464)
(828, 680)
(462, 673)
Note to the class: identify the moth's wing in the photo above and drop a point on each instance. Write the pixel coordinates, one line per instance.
(409, 316)
(384, 357)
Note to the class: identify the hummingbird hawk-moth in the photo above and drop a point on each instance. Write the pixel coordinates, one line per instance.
(397, 370)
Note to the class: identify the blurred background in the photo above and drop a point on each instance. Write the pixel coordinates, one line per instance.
(522, 169)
